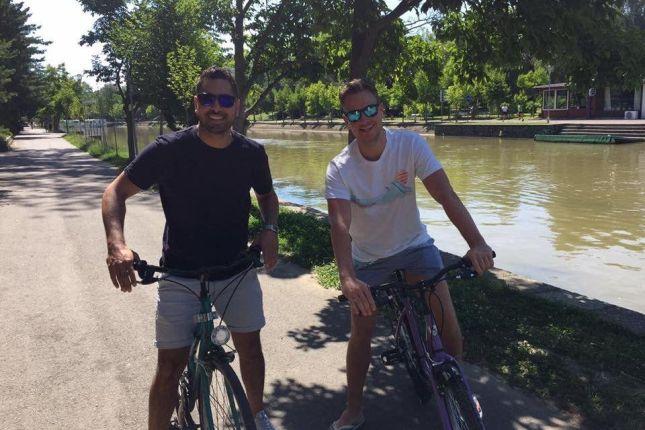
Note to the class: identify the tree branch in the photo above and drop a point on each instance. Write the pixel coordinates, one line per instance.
(399, 10)
(269, 87)
(246, 7)
(263, 36)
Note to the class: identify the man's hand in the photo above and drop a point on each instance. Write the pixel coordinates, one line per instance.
(268, 241)
(481, 257)
(359, 296)
(119, 263)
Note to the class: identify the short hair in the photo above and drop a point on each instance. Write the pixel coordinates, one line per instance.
(215, 72)
(356, 86)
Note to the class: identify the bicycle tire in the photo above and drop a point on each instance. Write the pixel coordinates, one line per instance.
(460, 406)
(222, 401)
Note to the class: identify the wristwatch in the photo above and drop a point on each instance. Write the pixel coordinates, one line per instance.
(272, 227)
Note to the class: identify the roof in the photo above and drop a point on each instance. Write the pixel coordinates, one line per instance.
(554, 86)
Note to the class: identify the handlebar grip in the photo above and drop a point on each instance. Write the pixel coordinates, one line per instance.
(468, 263)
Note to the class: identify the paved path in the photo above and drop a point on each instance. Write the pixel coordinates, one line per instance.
(77, 354)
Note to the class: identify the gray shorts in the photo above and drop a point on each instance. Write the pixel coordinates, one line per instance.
(424, 260)
(176, 307)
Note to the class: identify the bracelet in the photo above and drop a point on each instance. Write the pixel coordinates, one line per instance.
(272, 227)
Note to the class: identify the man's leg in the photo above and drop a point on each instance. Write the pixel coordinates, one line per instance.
(249, 349)
(450, 332)
(359, 355)
(163, 392)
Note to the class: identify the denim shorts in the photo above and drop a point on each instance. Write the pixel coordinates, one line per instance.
(177, 306)
(423, 260)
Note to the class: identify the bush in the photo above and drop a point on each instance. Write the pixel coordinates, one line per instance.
(5, 135)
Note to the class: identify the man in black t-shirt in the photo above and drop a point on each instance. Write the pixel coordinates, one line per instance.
(204, 174)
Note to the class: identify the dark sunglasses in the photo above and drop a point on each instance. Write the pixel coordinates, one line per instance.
(208, 99)
(354, 115)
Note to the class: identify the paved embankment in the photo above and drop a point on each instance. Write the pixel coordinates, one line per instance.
(77, 354)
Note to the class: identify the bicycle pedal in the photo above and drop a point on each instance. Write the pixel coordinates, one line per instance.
(391, 357)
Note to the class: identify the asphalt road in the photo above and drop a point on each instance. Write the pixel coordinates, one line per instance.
(77, 354)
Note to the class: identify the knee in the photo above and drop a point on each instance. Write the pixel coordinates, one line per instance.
(169, 370)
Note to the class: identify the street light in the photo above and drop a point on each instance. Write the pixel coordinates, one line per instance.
(549, 69)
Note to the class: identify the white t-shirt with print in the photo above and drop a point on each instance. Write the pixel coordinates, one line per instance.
(385, 217)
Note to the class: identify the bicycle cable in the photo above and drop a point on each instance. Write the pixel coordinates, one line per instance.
(179, 283)
(241, 275)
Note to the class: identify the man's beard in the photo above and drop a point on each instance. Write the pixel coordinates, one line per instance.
(219, 127)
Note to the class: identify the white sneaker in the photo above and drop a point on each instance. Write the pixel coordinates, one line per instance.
(262, 421)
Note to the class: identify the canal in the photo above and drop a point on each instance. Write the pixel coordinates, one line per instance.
(569, 215)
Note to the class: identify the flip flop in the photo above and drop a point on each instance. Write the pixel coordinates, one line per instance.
(358, 423)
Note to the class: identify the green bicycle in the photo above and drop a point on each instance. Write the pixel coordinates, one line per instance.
(211, 396)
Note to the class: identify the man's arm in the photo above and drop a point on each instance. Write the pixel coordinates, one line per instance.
(480, 254)
(120, 257)
(356, 291)
(268, 204)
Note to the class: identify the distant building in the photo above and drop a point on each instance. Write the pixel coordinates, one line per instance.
(559, 101)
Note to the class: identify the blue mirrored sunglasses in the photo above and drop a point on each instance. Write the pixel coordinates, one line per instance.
(208, 99)
(354, 115)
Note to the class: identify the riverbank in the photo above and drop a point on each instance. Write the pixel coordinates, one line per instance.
(493, 128)
(566, 354)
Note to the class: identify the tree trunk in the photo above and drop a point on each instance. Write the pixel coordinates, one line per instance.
(240, 66)
(130, 125)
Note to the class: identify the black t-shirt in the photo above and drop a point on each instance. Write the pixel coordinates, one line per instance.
(205, 194)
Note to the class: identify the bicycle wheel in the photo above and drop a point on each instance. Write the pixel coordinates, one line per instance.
(223, 402)
(421, 385)
(463, 410)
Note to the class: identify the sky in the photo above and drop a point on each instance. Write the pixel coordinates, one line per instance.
(63, 22)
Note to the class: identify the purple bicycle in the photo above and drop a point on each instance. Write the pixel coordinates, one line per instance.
(417, 344)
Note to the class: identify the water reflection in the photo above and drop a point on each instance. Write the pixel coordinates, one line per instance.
(571, 215)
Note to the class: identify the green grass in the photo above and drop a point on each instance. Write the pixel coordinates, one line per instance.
(560, 353)
(96, 150)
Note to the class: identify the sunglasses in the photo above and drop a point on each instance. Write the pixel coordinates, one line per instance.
(208, 99)
(354, 115)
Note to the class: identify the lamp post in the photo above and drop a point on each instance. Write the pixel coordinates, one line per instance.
(549, 69)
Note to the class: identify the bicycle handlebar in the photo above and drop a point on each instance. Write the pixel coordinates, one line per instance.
(249, 257)
(463, 263)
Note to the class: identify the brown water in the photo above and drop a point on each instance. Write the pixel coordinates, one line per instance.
(569, 215)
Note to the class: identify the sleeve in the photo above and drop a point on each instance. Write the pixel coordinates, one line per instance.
(261, 180)
(335, 187)
(145, 170)
(425, 163)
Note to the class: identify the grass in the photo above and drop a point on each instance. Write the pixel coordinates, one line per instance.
(97, 150)
(559, 353)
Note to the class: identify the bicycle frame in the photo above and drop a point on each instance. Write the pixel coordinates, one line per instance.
(430, 351)
(203, 351)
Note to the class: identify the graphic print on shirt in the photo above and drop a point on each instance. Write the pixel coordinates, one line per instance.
(394, 190)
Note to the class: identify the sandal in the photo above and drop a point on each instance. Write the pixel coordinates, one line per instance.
(358, 423)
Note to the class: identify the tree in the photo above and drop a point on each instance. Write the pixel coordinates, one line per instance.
(588, 41)
(149, 49)
(271, 42)
(20, 60)
(64, 95)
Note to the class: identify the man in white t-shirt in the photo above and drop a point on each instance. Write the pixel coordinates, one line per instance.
(376, 228)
